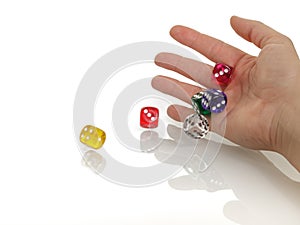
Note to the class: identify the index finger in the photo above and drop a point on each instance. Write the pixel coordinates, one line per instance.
(212, 48)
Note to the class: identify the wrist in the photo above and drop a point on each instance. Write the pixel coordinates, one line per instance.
(288, 135)
(292, 153)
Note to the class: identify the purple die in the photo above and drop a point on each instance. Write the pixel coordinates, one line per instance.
(214, 100)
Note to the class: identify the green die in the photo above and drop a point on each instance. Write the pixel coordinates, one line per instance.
(196, 103)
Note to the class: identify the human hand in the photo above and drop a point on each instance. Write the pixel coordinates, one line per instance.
(262, 109)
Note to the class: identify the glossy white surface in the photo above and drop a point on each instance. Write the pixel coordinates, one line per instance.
(263, 192)
(46, 47)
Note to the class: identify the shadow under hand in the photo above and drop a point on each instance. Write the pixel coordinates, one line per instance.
(265, 195)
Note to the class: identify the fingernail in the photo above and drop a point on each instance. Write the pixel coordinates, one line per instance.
(175, 31)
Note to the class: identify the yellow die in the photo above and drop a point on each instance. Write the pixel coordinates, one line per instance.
(92, 136)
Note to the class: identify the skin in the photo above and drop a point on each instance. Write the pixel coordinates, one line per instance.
(263, 97)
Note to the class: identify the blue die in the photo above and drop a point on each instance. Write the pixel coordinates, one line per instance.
(214, 100)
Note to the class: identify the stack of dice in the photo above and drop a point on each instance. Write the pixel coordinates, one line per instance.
(207, 102)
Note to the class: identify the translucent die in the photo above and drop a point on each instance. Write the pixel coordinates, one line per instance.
(214, 100)
(92, 136)
(222, 73)
(196, 103)
(149, 117)
(196, 126)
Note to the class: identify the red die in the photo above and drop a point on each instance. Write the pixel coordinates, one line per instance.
(149, 117)
(222, 73)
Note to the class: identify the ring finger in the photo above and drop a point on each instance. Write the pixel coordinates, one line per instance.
(176, 88)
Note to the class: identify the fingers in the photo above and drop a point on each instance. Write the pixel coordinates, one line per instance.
(179, 112)
(210, 47)
(170, 86)
(192, 69)
(256, 32)
(184, 92)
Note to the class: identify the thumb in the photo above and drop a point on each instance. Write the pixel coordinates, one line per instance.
(257, 32)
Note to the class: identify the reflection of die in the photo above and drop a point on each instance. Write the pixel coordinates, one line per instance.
(214, 100)
(92, 136)
(149, 140)
(94, 161)
(196, 126)
(149, 117)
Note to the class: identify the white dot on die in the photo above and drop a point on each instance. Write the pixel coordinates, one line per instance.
(216, 74)
(87, 137)
(91, 130)
(226, 70)
(82, 136)
(85, 129)
(218, 105)
(221, 73)
(223, 102)
(145, 111)
(153, 118)
(149, 114)
(99, 139)
(213, 108)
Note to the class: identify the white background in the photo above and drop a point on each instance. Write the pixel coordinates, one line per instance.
(45, 49)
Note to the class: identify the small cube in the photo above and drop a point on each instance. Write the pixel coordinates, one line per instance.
(214, 100)
(92, 136)
(222, 73)
(196, 103)
(196, 126)
(149, 117)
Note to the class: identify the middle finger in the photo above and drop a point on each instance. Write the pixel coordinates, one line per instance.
(192, 69)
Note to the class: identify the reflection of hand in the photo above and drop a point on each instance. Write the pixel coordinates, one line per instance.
(265, 195)
(181, 149)
(262, 109)
(203, 155)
